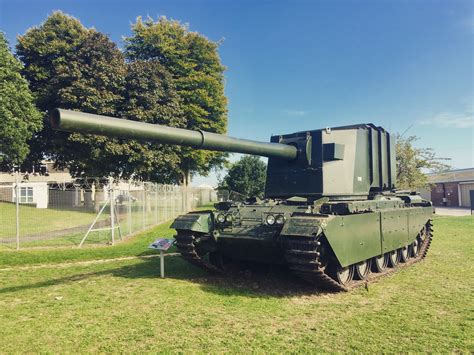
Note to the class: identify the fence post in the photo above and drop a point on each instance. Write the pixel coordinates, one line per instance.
(129, 209)
(112, 210)
(143, 206)
(156, 202)
(17, 188)
(165, 203)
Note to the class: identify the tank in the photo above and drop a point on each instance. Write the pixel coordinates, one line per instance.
(331, 211)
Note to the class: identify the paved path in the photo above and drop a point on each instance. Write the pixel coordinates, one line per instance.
(452, 211)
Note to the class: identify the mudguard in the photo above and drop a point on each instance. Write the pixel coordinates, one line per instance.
(195, 221)
(307, 226)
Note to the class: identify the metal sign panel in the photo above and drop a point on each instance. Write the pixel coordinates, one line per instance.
(161, 244)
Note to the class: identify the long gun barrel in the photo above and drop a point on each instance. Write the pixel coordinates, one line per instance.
(72, 121)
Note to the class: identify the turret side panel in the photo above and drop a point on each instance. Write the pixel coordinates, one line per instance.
(349, 176)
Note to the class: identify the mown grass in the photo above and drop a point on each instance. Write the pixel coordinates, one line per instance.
(52, 227)
(37, 220)
(133, 246)
(122, 306)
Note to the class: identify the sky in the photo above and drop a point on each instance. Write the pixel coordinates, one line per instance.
(301, 65)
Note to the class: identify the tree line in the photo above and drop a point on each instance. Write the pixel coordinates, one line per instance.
(165, 74)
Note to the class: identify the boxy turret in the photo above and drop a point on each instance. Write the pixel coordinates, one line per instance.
(340, 162)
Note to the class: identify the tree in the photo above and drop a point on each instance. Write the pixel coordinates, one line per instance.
(19, 118)
(412, 163)
(247, 177)
(72, 67)
(150, 96)
(76, 68)
(198, 74)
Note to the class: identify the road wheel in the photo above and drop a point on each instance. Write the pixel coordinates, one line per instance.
(415, 248)
(344, 275)
(362, 269)
(404, 254)
(393, 258)
(379, 263)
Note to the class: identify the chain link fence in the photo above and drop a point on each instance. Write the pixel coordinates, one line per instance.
(35, 214)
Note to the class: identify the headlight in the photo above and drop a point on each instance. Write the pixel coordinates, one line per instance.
(229, 218)
(270, 219)
(220, 218)
(280, 219)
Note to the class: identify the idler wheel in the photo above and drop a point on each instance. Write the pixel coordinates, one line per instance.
(393, 258)
(415, 248)
(344, 275)
(404, 254)
(362, 269)
(379, 263)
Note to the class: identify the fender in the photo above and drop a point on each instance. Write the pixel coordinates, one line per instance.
(201, 221)
(304, 226)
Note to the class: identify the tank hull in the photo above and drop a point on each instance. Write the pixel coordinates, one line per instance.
(308, 241)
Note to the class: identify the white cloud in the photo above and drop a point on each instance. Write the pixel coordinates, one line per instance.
(294, 112)
(450, 120)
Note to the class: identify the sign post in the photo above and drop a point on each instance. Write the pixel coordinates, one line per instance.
(162, 244)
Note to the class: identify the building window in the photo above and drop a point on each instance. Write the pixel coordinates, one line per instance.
(26, 195)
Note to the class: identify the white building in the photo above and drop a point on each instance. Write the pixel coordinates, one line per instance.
(35, 193)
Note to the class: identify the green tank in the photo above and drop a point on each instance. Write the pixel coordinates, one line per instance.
(331, 211)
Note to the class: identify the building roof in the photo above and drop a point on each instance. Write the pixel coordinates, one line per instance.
(459, 175)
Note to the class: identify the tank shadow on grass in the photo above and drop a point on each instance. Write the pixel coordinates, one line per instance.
(252, 281)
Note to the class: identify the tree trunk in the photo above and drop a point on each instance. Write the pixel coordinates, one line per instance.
(185, 178)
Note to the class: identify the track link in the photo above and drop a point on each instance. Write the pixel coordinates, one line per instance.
(186, 244)
(303, 257)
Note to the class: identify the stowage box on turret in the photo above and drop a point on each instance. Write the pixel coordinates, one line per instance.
(331, 211)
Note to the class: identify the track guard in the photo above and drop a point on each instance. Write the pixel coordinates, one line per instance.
(194, 221)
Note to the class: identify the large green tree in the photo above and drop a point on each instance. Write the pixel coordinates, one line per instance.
(72, 67)
(150, 96)
(19, 118)
(195, 65)
(77, 68)
(413, 163)
(246, 176)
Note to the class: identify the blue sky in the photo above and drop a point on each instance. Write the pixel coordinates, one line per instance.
(310, 64)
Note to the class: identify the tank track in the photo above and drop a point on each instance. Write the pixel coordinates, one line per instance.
(185, 243)
(303, 257)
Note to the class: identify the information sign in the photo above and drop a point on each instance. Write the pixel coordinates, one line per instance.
(162, 244)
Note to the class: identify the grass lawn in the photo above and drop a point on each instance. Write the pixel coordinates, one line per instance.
(122, 306)
(37, 221)
(56, 227)
(134, 246)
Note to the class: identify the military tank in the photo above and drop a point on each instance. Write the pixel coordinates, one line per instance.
(331, 210)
